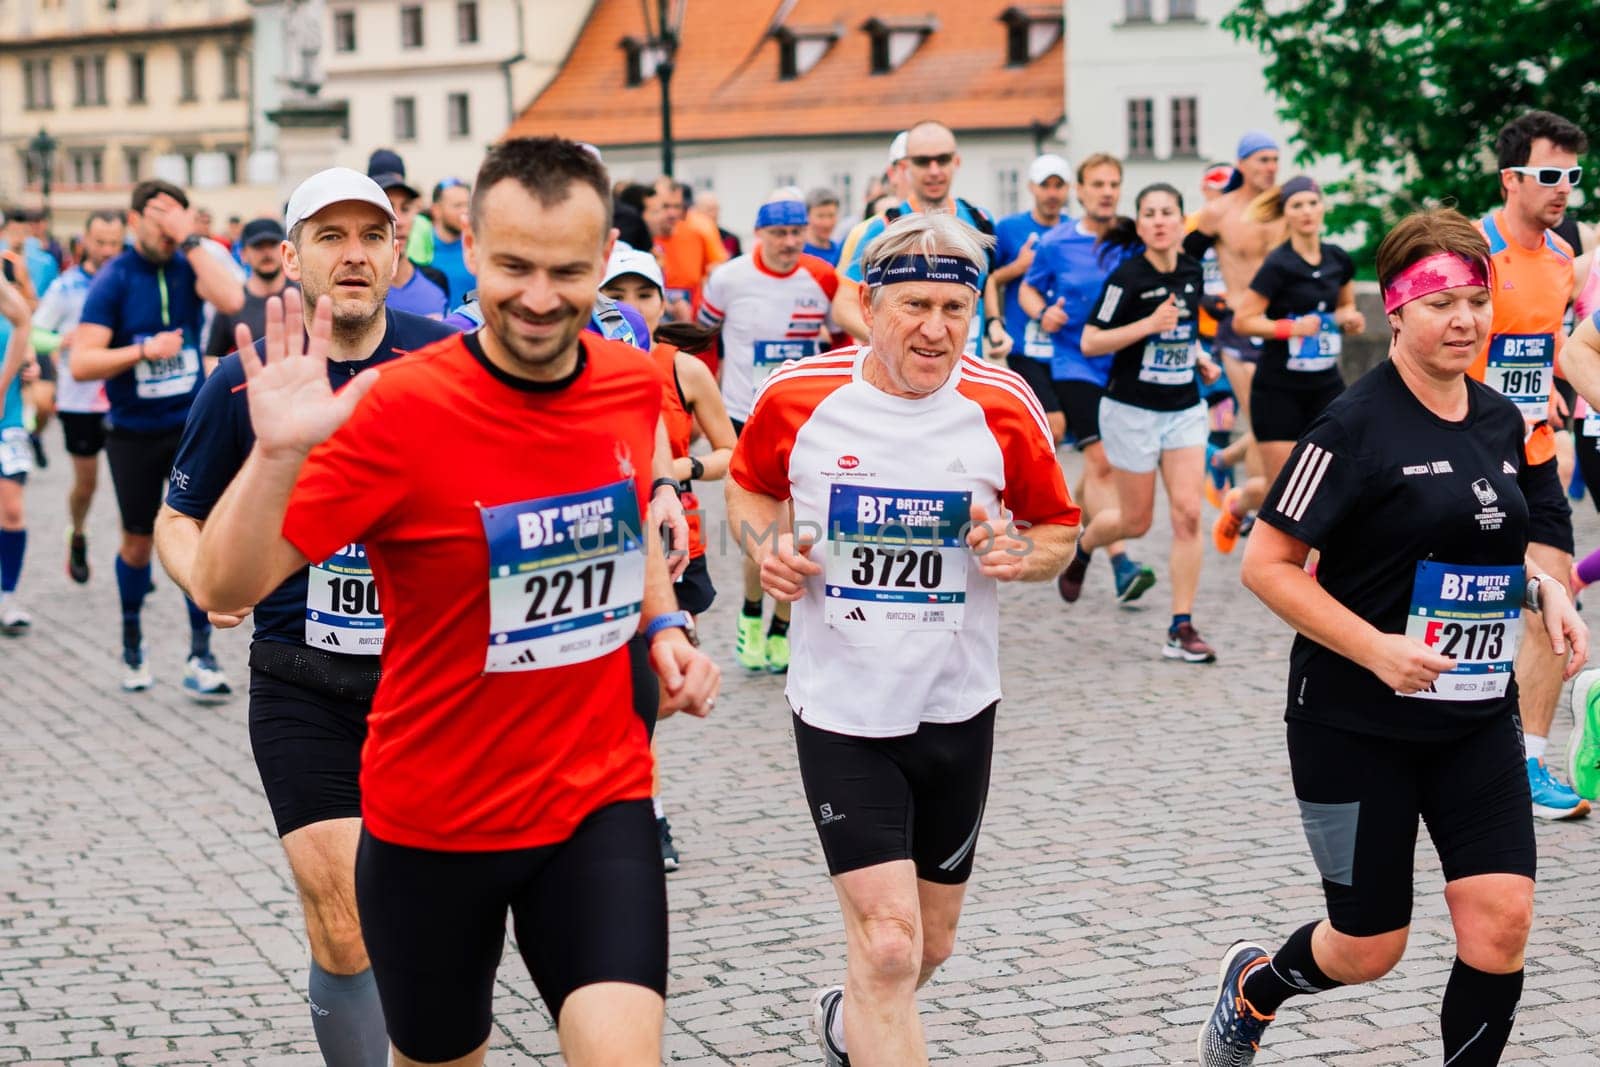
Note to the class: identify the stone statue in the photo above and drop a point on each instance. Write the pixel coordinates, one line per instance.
(303, 52)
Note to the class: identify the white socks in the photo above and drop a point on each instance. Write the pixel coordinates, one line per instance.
(1534, 746)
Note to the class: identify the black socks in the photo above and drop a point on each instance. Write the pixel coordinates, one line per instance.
(1291, 972)
(1479, 1009)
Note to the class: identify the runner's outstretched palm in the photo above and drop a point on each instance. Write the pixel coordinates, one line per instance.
(292, 406)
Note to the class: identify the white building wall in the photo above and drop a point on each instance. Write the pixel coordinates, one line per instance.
(1111, 60)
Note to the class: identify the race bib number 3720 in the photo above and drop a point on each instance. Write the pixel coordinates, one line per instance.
(566, 577)
(896, 559)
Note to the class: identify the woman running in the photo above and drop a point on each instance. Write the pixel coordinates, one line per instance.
(1401, 699)
(16, 453)
(1152, 415)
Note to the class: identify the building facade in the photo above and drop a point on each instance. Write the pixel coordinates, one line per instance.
(126, 90)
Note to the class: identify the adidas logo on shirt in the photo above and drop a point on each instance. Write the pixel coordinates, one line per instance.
(956, 466)
(331, 639)
(1506, 466)
(856, 615)
(526, 657)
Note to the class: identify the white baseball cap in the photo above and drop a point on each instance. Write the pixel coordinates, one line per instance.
(626, 259)
(334, 186)
(1049, 165)
(897, 147)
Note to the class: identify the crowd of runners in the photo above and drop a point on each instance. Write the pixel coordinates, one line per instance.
(449, 467)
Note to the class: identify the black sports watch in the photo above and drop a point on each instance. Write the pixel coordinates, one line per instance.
(697, 470)
(191, 242)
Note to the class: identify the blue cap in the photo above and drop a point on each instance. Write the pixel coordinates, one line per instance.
(781, 213)
(1255, 141)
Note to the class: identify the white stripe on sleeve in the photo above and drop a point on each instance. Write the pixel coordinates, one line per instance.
(1303, 483)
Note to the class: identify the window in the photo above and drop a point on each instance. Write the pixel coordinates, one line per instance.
(135, 77)
(89, 81)
(467, 21)
(1185, 137)
(1182, 10)
(1141, 128)
(801, 49)
(230, 72)
(1136, 11)
(459, 110)
(86, 166)
(411, 27)
(344, 31)
(895, 42)
(843, 183)
(405, 118)
(1030, 33)
(1008, 181)
(132, 164)
(187, 92)
(36, 84)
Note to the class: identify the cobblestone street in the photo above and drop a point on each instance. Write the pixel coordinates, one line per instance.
(1141, 818)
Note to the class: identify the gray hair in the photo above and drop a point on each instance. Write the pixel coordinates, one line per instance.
(821, 197)
(928, 235)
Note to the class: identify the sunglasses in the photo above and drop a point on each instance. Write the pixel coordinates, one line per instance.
(1551, 175)
(944, 159)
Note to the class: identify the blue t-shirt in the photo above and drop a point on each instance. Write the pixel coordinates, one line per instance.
(1011, 236)
(419, 296)
(1067, 263)
(11, 403)
(828, 253)
(135, 299)
(875, 228)
(450, 257)
(218, 437)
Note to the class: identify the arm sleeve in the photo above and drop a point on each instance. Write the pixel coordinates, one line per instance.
(1268, 280)
(352, 484)
(1115, 306)
(1035, 489)
(761, 458)
(713, 302)
(1318, 487)
(209, 455)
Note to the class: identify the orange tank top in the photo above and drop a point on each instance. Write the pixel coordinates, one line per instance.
(680, 430)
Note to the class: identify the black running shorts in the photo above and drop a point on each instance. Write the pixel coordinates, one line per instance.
(83, 432)
(1036, 372)
(694, 589)
(307, 747)
(1231, 342)
(1361, 796)
(1278, 414)
(140, 465)
(590, 909)
(919, 797)
(1549, 514)
(1079, 401)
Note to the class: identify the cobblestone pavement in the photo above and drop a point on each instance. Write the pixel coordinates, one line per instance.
(1141, 818)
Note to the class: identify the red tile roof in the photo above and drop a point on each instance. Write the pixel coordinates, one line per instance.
(726, 84)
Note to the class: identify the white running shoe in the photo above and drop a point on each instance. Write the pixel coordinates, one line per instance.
(14, 622)
(204, 682)
(136, 677)
(825, 1004)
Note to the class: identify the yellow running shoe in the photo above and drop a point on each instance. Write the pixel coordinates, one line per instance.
(750, 647)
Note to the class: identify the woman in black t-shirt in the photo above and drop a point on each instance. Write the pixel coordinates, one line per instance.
(1151, 415)
(1401, 703)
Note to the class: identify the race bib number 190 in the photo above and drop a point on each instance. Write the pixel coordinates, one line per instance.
(1473, 615)
(566, 577)
(896, 559)
(342, 605)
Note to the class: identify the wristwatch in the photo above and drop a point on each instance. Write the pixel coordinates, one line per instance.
(668, 620)
(191, 242)
(697, 470)
(656, 485)
(1530, 596)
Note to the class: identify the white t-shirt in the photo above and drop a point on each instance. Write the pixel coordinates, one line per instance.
(766, 319)
(59, 311)
(902, 628)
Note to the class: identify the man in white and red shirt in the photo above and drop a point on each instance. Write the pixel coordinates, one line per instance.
(772, 306)
(919, 478)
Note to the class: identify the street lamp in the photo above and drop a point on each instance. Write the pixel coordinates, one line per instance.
(43, 147)
(664, 42)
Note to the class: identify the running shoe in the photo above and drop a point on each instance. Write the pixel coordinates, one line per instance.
(1551, 799)
(777, 653)
(1069, 583)
(1218, 478)
(1225, 534)
(135, 674)
(204, 681)
(1133, 580)
(750, 647)
(1184, 643)
(14, 622)
(825, 1004)
(77, 557)
(669, 854)
(1583, 747)
(1231, 1037)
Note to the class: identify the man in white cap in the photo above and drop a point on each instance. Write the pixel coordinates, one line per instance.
(1050, 183)
(314, 654)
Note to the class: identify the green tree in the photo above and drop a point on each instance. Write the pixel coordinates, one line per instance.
(1410, 94)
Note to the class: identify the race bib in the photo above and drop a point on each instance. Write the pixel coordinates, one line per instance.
(342, 605)
(1320, 351)
(566, 577)
(1211, 281)
(1520, 367)
(896, 559)
(770, 355)
(1473, 615)
(16, 452)
(1036, 344)
(175, 375)
(1169, 358)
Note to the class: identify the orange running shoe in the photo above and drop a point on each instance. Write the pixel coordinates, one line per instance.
(1225, 534)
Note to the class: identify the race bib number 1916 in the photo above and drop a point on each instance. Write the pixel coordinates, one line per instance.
(1520, 367)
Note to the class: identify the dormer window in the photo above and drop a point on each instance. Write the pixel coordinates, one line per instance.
(644, 57)
(1031, 31)
(802, 47)
(895, 40)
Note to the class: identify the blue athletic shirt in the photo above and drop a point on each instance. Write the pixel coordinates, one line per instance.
(1067, 263)
(420, 296)
(828, 253)
(218, 438)
(127, 298)
(450, 257)
(875, 228)
(1011, 235)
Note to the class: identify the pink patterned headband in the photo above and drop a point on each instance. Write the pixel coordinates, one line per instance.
(1442, 270)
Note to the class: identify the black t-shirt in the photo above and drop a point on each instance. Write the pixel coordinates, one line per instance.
(1294, 288)
(1156, 372)
(1381, 485)
(253, 314)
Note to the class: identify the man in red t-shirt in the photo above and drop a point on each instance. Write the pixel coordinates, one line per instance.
(495, 480)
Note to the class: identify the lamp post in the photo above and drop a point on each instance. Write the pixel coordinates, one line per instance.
(43, 147)
(665, 43)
